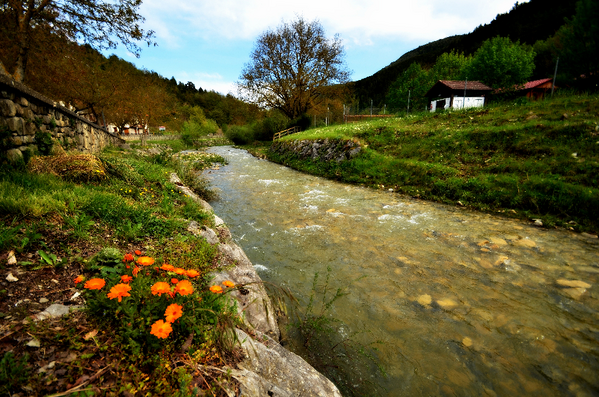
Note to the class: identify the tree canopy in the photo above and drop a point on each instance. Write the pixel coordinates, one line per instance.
(27, 24)
(501, 63)
(290, 66)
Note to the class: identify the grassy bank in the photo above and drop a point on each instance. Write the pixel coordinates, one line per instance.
(533, 160)
(74, 228)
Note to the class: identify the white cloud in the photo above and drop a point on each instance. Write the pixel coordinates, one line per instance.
(357, 21)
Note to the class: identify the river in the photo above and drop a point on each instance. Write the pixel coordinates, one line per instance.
(465, 303)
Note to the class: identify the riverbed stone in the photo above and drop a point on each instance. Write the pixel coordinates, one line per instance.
(574, 293)
(447, 303)
(467, 341)
(425, 299)
(525, 242)
(572, 283)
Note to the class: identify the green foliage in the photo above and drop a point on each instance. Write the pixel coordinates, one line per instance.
(240, 135)
(500, 63)
(44, 142)
(13, 372)
(410, 86)
(579, 42)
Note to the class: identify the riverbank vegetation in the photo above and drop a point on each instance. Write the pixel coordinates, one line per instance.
(531, 160)
(109, 232)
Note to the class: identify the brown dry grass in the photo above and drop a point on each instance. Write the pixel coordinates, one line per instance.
(72, 167)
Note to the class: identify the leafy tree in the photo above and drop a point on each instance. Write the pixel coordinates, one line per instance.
(290, 66)
(450, 66)
(501, 63)
(26, 24)
(414, 82)
(578, 41)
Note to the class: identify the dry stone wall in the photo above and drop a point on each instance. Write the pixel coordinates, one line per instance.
(25, 113)
(319, 150)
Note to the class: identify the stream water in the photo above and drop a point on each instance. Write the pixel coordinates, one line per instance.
(465, 303)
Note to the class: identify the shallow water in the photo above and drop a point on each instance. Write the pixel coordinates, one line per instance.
(466, 303)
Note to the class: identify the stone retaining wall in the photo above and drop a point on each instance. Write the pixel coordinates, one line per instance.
(320, 149)
(150, 137)
(25, 112)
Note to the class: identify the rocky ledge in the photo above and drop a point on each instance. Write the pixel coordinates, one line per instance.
(268, 369)
(338, 150)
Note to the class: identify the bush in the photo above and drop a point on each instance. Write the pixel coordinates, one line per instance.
(240, 135)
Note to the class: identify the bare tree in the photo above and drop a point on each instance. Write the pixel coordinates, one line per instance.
(291, 65)
(102, 24)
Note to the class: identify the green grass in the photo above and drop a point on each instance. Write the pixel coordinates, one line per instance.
(525, 157)
(61, 223)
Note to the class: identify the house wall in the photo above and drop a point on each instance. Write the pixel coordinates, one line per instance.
(24, 112)
(457, 102)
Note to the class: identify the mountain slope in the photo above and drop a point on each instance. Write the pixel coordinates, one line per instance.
(527, 23)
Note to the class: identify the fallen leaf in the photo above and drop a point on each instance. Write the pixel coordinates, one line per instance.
(90, 334)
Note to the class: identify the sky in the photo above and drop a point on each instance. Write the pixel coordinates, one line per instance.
(209, 42)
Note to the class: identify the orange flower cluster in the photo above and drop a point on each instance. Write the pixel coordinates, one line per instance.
(161, 329)
(217, 289)
(160, 288)
(95, 283)
(173, 312)
(184, 287)
(145, 261)
(119, 291)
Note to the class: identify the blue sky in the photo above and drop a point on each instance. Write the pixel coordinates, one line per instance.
(208, 42)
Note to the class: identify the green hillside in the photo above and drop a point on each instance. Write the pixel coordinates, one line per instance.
(538, 160)
(527, 22)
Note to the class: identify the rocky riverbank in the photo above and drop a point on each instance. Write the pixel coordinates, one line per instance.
(268, 368)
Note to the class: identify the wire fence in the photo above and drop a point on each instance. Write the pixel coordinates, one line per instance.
(351, 114)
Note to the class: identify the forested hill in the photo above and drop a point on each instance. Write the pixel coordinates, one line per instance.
(527, 23)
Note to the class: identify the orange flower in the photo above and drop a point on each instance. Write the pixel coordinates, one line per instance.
(95, 283)
(228, 283)
(174, 280)
(173, 312)
(128, 258)
(137, 252)
(119, 291)
(184, 287)
(135, 270)
(79, 279)
(145, 261)
(217, 289)
(160, 288)
(192, 273)
(126, 279)
(161, 330)
(180, 271)
(167, 267)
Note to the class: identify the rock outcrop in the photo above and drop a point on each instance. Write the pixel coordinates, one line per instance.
(338, 150)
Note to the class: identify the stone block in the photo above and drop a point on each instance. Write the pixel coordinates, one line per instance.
(23, 102)
(47, 119)
(7, 108)
(19, 109)
(30, 128)
(28, 114)
(16, 140)
(28, 138)
(15, 124)
(14, 155)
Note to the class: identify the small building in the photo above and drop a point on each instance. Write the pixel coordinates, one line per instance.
(451, 94)
(537, 89)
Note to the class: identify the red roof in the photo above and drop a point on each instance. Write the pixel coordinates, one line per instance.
(535, 83)
(470, 85)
